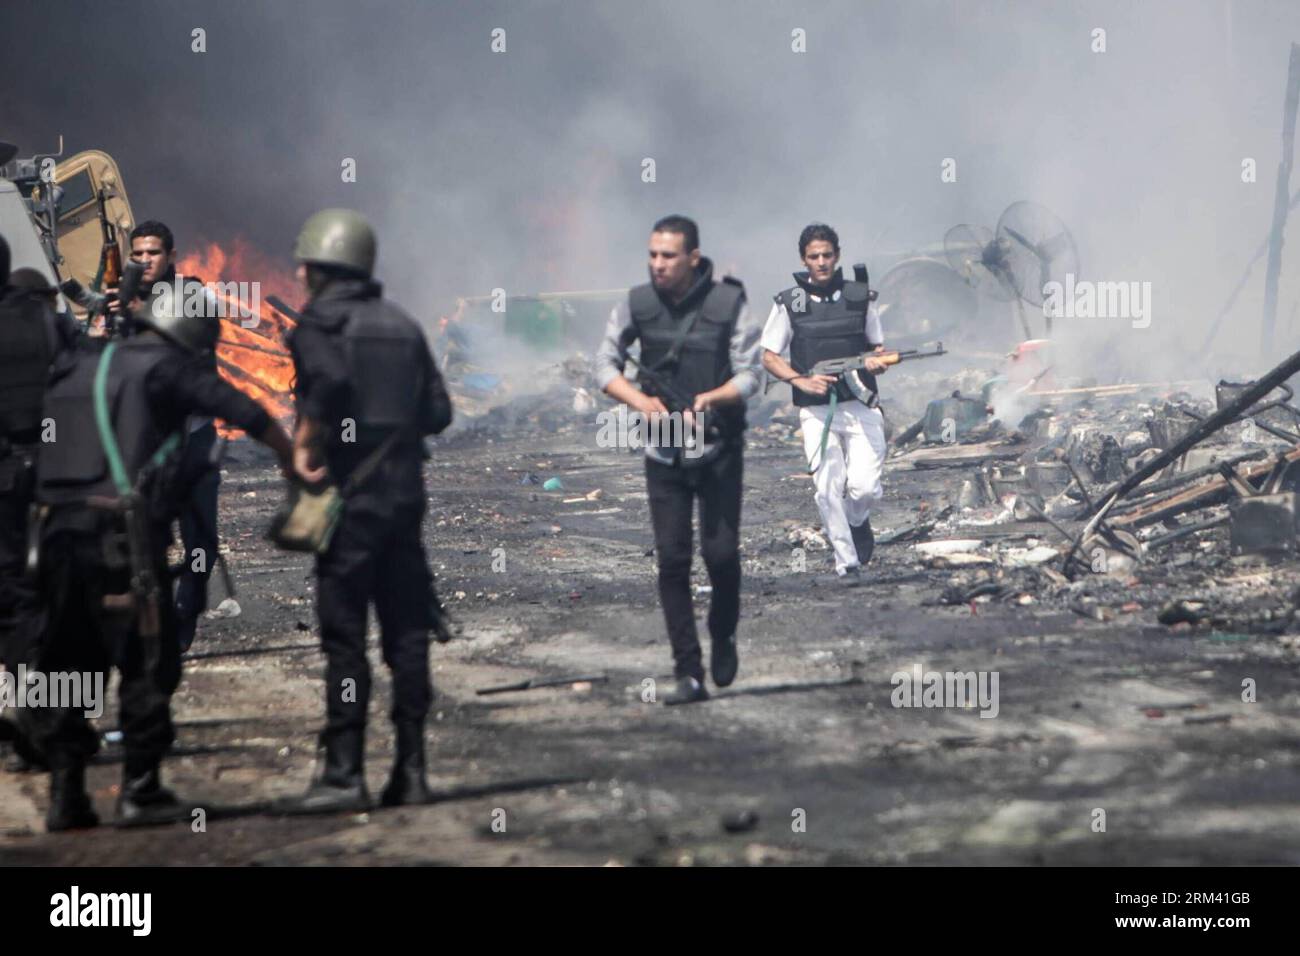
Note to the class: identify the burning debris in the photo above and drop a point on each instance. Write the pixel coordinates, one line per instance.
(251, 354)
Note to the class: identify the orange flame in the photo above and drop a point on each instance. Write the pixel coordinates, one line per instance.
(254, 359)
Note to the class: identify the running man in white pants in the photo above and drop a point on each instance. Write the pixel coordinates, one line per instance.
(825, 317)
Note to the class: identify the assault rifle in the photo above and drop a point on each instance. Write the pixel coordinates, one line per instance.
(101, 303)
(144, 591)
(842, 366)
(677, 401)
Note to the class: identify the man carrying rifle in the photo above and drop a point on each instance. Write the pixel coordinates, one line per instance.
(699, 345)
(825, 317)
(199, 476)
(105, 481)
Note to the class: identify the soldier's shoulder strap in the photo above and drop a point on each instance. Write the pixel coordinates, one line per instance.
(724, 300)
(861, 278)
(786, 299)
(857, 296)
(643, 302)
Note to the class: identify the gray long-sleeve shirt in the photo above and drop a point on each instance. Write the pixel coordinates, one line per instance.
(746, 356)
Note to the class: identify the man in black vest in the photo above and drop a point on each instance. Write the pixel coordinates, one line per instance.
(368, 391)
(31, 336)
(198, 477)
(119, 410)
(697, 334)
(825, 317)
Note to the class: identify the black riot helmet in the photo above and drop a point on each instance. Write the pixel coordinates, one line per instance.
(34, 283)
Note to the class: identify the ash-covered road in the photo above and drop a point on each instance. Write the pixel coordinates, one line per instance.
(1129, 717)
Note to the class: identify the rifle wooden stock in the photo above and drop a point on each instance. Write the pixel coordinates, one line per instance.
(887, 358)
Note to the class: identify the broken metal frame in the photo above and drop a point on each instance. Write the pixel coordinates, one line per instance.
(1254, 413)
(1202, 430)
(1185, 531)
(1215, 491)
(1167, 487)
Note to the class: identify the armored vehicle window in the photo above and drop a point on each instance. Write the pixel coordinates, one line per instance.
(78, 190)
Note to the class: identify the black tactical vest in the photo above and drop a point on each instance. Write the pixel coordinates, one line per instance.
(699, 360)
(824, 329)
(27, 347)
(382, 346)
(74, 466)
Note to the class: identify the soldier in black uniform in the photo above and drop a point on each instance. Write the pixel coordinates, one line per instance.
(144, 388)
(30, 337)
(368, 391)
(699, 334)
(37, 287)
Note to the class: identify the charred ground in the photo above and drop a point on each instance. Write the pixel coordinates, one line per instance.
(1101, 706)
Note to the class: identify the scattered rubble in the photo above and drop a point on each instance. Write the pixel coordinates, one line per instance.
(1102, 500)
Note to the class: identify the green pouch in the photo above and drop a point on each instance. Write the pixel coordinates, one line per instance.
(307, 520)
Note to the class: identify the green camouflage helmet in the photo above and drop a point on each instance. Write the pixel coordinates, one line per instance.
(337, 237)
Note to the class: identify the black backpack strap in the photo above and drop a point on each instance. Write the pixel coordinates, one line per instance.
(372, 461)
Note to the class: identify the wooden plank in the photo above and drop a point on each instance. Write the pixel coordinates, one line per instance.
(1211, 492)
(960, 456)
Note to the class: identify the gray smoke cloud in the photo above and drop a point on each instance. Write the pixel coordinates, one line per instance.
(523, 169)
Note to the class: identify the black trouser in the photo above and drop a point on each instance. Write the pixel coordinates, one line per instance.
(375, 555)
(83, 636)
(672, 491)
(20, 608)
(198, 522)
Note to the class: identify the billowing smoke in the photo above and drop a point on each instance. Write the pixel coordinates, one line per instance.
(526, 169)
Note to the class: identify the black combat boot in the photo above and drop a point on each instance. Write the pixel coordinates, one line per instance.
(689, 690)
(144, 801)
(864, 540)
(407, 784)
(186, 628)
(24, 757)
(70, 806)
(445, 627)
(340, 783)
(723, 660)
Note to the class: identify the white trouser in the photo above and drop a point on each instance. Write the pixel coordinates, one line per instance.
(847, 480)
